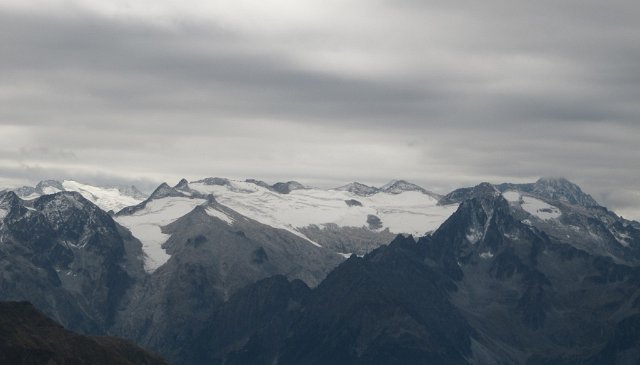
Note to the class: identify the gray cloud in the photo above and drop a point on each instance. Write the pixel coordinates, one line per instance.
(446, 94)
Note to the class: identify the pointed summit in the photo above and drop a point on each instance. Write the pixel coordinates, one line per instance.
(182, 185)
(401, 186)
(359, 189)
(164, 191)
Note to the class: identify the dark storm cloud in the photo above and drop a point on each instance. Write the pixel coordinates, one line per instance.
(446, 94)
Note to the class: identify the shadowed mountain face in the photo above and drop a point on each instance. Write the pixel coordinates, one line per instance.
(68, 257)
(211, 259)
(376, 310)
(490, 286)
(28, 337)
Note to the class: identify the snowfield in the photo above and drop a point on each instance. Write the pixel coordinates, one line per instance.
(409, 212)
(540, 209)
(106, 198)
(145, 225)
(533, 206)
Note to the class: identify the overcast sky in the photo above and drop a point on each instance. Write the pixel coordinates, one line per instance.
(442, 93)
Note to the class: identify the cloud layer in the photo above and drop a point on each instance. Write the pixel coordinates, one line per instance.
(324, 92)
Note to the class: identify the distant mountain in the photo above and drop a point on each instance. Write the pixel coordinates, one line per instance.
(108, 198)
(401, 186)
(558, 189)
(359, 189)
(392, 187)
(28, 337)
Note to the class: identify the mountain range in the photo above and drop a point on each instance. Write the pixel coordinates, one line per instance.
(221, 271)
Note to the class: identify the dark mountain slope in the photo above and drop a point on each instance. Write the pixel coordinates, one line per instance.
(214, 253)
(68, 257)
(28, 337)
(376, 310)
(490, 286)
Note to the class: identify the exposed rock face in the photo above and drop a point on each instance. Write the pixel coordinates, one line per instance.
(348, 240)
(400, 186)
(490, 286)
(557, 189)
(392, 187)
(214, 253)
(359, 189)
(28, 337)
(68, 257)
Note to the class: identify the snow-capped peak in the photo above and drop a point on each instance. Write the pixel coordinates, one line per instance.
(401, 186)
(359, 189)
(107, 198)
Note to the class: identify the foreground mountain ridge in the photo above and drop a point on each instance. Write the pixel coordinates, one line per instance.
(28, 337)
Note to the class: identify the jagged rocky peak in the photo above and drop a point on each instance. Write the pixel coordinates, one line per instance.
(165, 191)
(552, 189)
(8, 198)
(401, 186)
(182, 185)
(562, 190)
(65, 205)
(61, 201)
(359, 189)
(484, 189)
(487, 196)
(9, 201)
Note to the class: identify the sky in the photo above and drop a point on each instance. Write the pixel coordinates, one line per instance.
(441, 93)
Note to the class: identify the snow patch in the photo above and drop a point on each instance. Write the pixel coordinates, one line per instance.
(345, 255)
(220, 215)
(3, 213)
(145, 225)
(474, 236)
(540, 209)
(511, 196)
(50, 190)
(486, 255)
